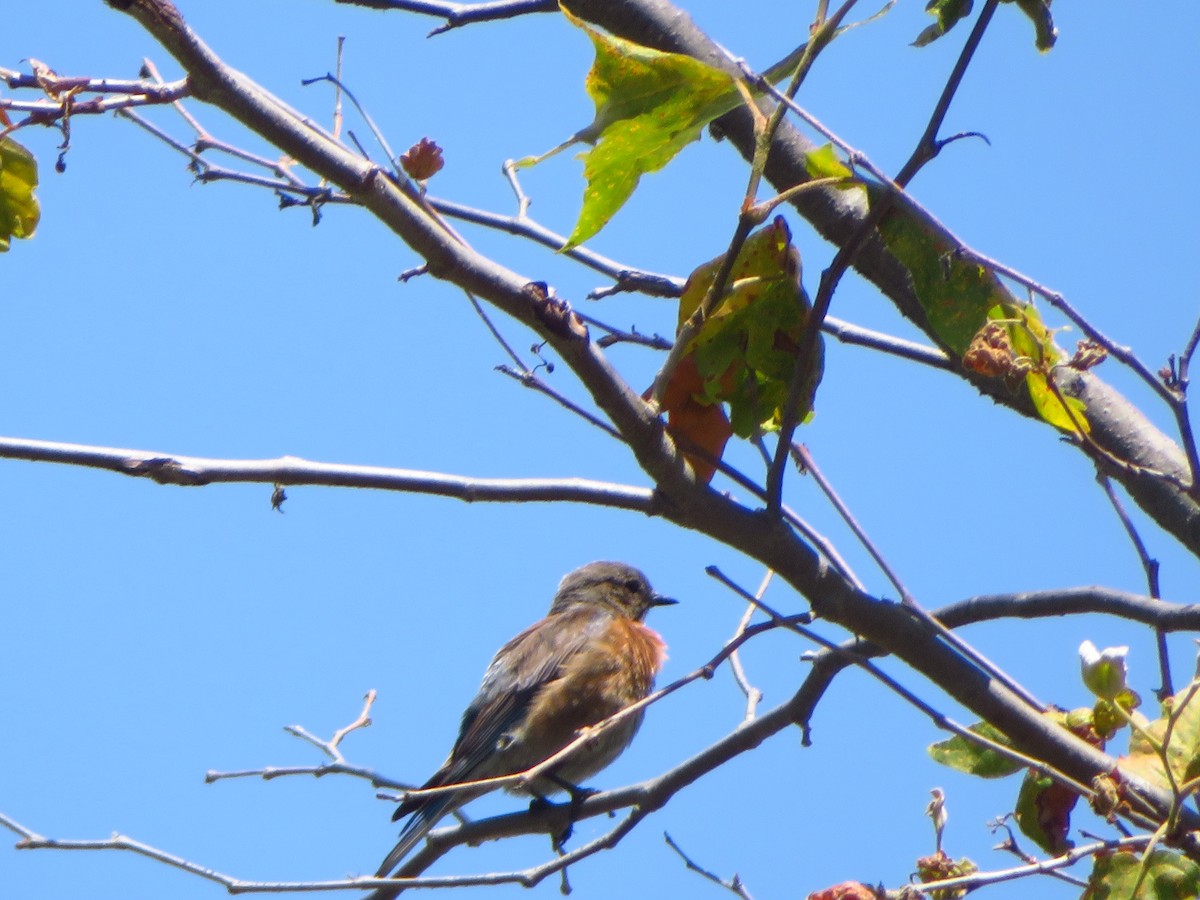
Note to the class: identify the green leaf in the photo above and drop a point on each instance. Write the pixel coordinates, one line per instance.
(1039, 13)
(1044, 812)
(954, 293)
(1051, 409)
(649, 106)
(965, 755)
(947, 13)
(1168, 874)
(1107, 719)
(959, 297)
(824, 163)
(19, 211)
(746, 350)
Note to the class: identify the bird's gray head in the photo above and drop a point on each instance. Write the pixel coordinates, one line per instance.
(614, 585)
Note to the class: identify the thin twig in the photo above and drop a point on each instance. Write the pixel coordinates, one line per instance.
(805, 459)
(491, 326)
(460, 14)
(938, 718)
(529, 380)
(733, 885)
(753, 695)
(1150, 568)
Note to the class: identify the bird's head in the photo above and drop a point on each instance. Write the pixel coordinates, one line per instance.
(613, 585)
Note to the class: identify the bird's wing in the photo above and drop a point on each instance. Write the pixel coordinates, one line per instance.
(522, 667)
(525, 665)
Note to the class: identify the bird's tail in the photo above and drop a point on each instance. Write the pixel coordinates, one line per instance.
(417, 826)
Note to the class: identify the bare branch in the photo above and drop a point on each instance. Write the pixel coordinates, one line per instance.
(193, 471)
(733, 885)
(459, 14)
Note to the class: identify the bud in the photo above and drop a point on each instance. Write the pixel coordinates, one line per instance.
(1103, 670)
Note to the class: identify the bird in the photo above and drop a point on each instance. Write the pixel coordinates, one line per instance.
(589, 658)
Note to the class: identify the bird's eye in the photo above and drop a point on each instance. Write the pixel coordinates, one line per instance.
(633, 585)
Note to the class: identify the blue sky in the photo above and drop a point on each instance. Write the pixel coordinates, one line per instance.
(149, 634)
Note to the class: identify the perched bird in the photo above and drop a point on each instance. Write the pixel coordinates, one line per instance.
(589, 658)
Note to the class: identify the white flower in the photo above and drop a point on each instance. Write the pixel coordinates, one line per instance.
(1103, 670)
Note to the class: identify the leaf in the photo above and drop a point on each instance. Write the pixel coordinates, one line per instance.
(824, 163)
(1049, 406)
(1168, 874)
(948, 13)
(954, 293)
(649, 105)
(19, 211)
(1183, 751)
(1044, 812)
(746, 350)
(695, 424)
(1039, 13)
(423, 160)
(964, 755)
(963, 303)
(1106, 717)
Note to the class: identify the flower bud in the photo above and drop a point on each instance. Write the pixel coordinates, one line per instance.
(1103, 670)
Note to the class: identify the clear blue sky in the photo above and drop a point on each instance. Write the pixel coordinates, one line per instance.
(149, 634)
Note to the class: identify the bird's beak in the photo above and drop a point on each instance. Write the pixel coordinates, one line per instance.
(660, 600)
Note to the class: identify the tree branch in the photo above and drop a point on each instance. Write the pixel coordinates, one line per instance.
(194, 471)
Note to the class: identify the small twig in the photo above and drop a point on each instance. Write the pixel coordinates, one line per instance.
(928, 146)
(856, 335)
(523, 226)
(270, 773)
(337, 92)
(633, 336)
(1150, 568)
(805, 461)
(529, 380)
(30, 840)
(460, 14)
(1010, 845)
(363, 721)
(734, 884)
(510, 174)
(1177, 383)
(753, 695)
(491, 326)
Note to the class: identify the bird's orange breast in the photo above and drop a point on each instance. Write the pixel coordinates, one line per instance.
(614, 670)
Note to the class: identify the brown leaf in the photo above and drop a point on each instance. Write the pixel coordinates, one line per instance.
(423, 160)
(1087, 355)
(700, 429)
